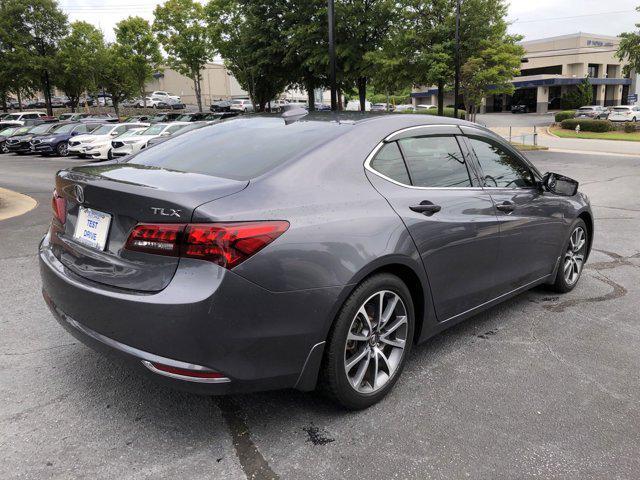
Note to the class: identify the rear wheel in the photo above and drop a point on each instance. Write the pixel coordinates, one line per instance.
(4, 148)
(369, 342)
(572, 261)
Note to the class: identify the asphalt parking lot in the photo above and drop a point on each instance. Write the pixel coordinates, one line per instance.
(543, 386)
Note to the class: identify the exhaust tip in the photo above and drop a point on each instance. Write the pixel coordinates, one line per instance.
(197, 374)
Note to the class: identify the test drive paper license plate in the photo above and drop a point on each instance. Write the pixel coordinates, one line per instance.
(92, 228)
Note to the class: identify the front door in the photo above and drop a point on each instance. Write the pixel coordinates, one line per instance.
(429, 182)
(531, 220)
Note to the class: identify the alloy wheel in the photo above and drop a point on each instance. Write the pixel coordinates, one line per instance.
(63, 149)
(376, 342)
(574, 257)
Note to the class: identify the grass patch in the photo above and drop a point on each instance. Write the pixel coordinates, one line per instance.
(528, 148)
(615, 135)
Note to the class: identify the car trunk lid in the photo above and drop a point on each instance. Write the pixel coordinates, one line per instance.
(129, 194)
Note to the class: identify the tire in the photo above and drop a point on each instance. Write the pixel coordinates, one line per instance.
(3, 148)
(62, 149)
(109, 155)
(363, 385)
(572, 257)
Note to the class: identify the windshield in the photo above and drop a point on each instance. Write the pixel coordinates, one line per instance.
(21, 130)
(585, 109)
(41, 129)
(103, 130)
(12, 116)
(154, 130)
(621, 109)
(65, 116)
(130, 133)
(183, 118)
(7, 131)
(64, 128)
(223, 149)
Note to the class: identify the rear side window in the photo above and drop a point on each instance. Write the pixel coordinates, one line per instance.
(240, 149)
(499, 167)
(435, 162)
(389, 162)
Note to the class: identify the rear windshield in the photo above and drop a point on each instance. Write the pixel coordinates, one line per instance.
(621, 109)
(239, 149)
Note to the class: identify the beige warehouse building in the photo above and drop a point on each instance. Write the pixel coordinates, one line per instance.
(217, 83)
(554, 66)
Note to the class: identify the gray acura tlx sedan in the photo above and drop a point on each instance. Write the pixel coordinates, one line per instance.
(260, 253)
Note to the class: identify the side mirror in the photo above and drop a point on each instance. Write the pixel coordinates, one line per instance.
(115, 134)
(559, 184)
(165, 134)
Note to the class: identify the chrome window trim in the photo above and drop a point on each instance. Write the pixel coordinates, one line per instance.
(389, 138)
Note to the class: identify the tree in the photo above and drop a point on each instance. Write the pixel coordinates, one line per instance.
(182, 31)
(116, 75)
(248, 34)
(38, 26)
(581, 95)
(76, 70)
(490, 73)
(135, 37)
(361, 27)
(629, 49)
(306, 48)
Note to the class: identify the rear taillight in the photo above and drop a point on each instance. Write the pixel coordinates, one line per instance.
(59, 206)
(226, 244)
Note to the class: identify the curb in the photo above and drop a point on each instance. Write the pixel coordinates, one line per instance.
(13, 204)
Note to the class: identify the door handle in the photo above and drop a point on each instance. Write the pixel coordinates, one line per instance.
(426, 208)
(506, 207)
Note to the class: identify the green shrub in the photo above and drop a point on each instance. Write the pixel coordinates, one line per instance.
(447, 112)
(587, 125)
(564, 115)
(630, 127)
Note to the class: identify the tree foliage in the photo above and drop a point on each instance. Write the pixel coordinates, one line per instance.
(490, 72)
(116, 75)
(33, 29)
(629, 49)
(76, 70)
(140, 46)
(182, 31)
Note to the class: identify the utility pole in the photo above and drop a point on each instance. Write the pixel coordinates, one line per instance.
(332, 55)
(456, 87)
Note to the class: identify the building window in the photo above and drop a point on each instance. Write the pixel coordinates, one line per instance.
(593, 70)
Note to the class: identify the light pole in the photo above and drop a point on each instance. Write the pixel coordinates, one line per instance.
(332, 54)
(456, 86)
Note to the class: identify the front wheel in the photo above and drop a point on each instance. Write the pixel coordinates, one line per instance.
(4, 148)
(369, 342)
(574, 256)
(62, 149)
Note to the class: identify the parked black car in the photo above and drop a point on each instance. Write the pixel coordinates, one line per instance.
(204, 116)
(221, 106)
(520, 108)
(57, 141)
(22, 143)
(6, 132)
(165, 117)
(72, 117)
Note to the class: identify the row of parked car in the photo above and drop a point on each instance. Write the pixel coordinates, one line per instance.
(155, 99)
(621, 113)
(96, 137)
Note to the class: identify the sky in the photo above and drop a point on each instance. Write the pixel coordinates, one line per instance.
(531, 18)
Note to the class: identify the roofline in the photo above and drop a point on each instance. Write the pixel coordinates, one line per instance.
(567, 36)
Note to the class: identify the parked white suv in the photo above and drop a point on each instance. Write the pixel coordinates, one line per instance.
(122, 146)
(97, 144)
(166, 95)
(625, 113)
(19, 118)
(241, 106)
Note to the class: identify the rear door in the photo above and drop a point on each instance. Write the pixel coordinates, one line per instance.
(425, 175)
(531, 219)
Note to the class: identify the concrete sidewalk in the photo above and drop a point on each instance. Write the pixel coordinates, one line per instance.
(581, 145)
(13, 204)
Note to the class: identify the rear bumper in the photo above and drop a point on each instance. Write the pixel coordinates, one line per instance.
(206, 316)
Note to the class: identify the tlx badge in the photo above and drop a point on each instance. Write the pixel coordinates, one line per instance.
(166, 212)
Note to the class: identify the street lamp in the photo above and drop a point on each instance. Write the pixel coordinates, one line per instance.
(332, 54)
(456, 87)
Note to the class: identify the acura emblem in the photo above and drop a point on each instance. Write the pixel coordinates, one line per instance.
(78, 191)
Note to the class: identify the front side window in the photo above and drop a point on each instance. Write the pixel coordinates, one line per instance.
(500, 168)
(435, 162)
